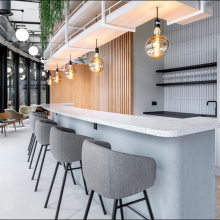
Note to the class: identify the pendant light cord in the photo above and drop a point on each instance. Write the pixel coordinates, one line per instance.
(96, 43)
(157, 13)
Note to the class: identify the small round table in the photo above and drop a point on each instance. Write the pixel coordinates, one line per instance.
(2, 125)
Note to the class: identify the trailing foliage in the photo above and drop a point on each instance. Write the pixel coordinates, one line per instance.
(51, 14)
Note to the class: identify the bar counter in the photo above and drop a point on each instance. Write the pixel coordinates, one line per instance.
(184, 151)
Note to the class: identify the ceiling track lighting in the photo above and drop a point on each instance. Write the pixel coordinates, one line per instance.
(157, 45)
(70, 72)
(57, 77)
(49, 80)
(96, 65)
(22, 34)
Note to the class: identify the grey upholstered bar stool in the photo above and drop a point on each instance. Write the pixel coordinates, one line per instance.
(116, 175)
(66, 147)
(42, 132)
(32, 125)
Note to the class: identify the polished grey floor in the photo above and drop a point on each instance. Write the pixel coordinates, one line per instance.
(17, 197)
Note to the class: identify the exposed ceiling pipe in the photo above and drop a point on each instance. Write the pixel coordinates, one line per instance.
(5, 8)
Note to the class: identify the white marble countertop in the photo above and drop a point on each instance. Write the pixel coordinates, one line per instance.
(156, 126)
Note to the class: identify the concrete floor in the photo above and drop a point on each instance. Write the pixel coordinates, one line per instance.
(17, 197)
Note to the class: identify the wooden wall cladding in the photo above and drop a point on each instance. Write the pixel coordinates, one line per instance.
(77, 91)
(112, 89)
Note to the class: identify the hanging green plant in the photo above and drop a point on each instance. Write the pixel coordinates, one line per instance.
(51, 14)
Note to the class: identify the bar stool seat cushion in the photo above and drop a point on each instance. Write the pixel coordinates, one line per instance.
(33, 119)
(116, 175)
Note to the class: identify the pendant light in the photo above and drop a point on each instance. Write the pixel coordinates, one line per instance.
(57, 77)
(157, 45)
(49, 80)
(96, 64)
(70, 72)
(22, 34)
(33, 50)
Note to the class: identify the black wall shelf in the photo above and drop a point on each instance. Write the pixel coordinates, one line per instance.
(187, 68)
(187, 83)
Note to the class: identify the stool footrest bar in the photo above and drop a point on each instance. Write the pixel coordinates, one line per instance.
(75, 168)
(137, 212)
(130, 203)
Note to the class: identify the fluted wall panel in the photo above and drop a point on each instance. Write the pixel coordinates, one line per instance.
(112, 89)
(192, 44)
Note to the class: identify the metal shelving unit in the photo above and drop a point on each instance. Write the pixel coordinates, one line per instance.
(187, 68)
(187, 83)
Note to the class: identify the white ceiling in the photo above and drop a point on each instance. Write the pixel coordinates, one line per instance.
(31, 14)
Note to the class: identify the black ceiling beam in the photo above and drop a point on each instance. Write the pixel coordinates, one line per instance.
(25, 22)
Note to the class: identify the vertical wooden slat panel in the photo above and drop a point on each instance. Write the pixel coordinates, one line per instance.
(112, 89)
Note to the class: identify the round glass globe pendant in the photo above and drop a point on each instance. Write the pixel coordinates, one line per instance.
(157, 45)
(22, 34)
(49, 81)
(70, 72)
(96, 64)
(33, 50)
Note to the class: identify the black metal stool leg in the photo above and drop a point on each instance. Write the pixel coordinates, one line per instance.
(42, 163)
(31, 146)
(51, 186)
(114, 213)
(31, 150)
(61, 193)
(88, 205)
(37, 162)
(148, 204)
(102, 204)
(84, 180)
(121, 209)
(72, 174)
(33, 155)
(30, 141)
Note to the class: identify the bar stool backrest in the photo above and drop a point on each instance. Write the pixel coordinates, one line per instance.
(42, 131)
(33, 118)
(116, 175)
(66, 145)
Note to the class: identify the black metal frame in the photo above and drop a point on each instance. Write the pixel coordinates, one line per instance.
(188, 67)
(67, 167)
(187, 83)
(121, 206)
(48, 90)
(16, 81)
(4, 78)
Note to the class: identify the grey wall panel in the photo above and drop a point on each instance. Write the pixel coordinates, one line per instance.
(144, 76)
(192, 44)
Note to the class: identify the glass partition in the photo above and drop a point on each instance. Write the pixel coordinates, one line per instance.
(43, 85)
(33, 83)
(10, 80)
(23, 92)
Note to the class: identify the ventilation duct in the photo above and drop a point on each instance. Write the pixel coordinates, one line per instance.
(5, 8)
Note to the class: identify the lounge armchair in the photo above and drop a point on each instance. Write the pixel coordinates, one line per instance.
(25, 110)
(18, 117)
(5, 119)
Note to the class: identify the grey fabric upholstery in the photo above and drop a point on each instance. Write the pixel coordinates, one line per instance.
(116, 175)
(42, 131)
(66, 146)
(33, 119)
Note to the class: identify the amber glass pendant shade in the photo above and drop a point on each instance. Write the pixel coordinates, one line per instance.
(157, 45)
(96, 65)
(70, 72)
(49, 81)
(57, 77)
